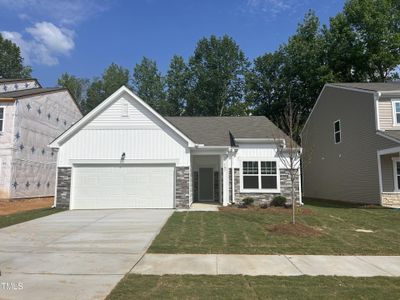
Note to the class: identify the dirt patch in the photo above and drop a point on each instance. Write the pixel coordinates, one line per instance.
(305, 211)
(298, 230)
(14, 206)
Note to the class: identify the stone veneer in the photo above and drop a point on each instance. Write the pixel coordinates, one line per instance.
(390, 199)
(63, 187)
(182, 187)
(259, 197)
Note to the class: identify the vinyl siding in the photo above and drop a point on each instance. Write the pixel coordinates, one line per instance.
(347, 171)
(139, 134)
(385, 114)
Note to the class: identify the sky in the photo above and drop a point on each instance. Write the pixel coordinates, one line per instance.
(83, 37)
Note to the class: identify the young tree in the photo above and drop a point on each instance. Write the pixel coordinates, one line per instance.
(217, 70)
(289, 153)
(76, 86)
(149, 84)
(177, 81)
(11, 61)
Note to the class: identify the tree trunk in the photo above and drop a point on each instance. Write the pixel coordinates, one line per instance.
(293, 200)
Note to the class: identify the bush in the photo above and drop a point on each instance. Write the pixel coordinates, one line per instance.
(279, 201)
(248, 201)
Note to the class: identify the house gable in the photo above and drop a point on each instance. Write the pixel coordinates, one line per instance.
(123, 109)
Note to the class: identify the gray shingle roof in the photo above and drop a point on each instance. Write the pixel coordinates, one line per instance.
(29, 92)
(371, 86)
(215, 131)
(395, 134)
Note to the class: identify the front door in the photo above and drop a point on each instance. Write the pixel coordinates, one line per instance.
(206, 189)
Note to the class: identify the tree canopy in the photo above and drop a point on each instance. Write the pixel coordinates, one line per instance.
(11, 61)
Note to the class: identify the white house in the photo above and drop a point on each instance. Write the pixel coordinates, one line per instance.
(123, 154)
(30, 118)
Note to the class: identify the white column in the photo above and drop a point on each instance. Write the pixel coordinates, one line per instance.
(225, 166)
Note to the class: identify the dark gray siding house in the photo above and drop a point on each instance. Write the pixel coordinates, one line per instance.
(351, 144)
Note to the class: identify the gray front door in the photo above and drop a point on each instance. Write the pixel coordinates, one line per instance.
(206, 190)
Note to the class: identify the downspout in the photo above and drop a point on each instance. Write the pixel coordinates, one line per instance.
(233, 179)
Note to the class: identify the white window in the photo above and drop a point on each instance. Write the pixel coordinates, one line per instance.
(258, 176)
(337, 132)
(1, 119)
(396, 112)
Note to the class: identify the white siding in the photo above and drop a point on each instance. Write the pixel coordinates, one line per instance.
(140, 135)
(255, 151)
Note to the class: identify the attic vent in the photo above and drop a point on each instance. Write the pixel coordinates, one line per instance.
(125, 109)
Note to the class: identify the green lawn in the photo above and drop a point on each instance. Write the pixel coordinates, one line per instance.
(20, 217)
(259, 287)
(242, 231)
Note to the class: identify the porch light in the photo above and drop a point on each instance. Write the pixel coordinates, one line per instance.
(123, 156)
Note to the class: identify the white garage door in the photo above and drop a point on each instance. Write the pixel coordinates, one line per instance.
(127, 186)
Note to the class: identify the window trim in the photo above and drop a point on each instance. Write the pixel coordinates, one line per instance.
(259, 175)
(339, 131)
(396, 187)
(4, 117)
(394, 113)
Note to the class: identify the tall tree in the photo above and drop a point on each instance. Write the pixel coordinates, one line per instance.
(149, 85)
(217, 70)
(95, 95)
(177, 81)
(112, 79)
(370, 31)
(11, 61)
(76, 86)
(297, 70)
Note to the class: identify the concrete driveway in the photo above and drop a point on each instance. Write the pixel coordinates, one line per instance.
(78, 254)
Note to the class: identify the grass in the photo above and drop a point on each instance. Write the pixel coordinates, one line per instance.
(20, 217)
(259, 287)
(239, 231)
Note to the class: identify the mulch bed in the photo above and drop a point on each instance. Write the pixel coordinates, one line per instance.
(305, 211)
(298, 230)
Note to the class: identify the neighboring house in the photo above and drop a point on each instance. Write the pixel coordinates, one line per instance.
(30, 118)
(123, 154)
(351, 144)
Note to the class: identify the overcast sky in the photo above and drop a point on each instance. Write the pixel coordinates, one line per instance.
(82, 37)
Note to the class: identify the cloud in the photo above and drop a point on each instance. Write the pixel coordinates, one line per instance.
(45, 43)
(66, 12)
(272, 7)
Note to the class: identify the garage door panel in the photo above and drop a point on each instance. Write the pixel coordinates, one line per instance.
(129, 186)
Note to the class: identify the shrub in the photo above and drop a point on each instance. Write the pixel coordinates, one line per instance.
(279, 201)
(248, 201)
(241, 204)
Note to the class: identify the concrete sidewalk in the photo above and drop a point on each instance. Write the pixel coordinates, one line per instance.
(279, 265)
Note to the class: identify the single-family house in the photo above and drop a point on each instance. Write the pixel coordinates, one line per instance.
(30, 118)
(123, 154)
(351, 144)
